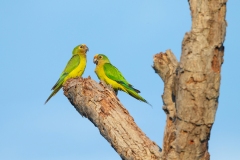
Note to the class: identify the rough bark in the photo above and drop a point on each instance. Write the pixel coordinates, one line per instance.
(196, 86)
(165, 65)
(99, 104)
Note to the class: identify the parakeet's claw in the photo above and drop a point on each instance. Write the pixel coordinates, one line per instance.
(116, 91)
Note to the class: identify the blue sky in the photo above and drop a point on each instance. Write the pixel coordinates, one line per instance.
(36, 40)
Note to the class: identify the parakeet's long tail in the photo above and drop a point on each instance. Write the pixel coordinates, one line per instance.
(53, 93)
(134, 94)
(57, 86)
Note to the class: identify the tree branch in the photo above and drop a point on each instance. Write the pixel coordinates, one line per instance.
(99, 104)
(165, 65)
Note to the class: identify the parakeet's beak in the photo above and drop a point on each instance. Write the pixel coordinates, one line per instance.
(87, 49)
(84, 47)
(95, 59)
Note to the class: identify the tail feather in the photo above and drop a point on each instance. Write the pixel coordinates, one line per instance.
(60, 80)
(57, 86)
(134, 94)
(131, 86)
(53, 93)
(136, 90)
(128, 86)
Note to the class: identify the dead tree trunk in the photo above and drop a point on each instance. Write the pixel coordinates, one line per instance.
(191, 91)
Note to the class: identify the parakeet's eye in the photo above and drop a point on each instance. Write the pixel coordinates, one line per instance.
(100, 57)
(81, 46)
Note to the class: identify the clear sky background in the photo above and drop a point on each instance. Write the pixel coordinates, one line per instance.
(36, 41)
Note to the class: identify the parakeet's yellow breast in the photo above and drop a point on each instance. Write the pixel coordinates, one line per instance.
(78, 71)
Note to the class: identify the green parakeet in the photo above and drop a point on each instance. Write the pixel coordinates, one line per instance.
(75, 68)
(112, 76)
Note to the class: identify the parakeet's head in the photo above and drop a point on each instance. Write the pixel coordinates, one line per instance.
(82, 48)
(100, 58)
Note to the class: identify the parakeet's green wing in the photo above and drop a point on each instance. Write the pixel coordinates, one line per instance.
(71, 65)
(113, 73)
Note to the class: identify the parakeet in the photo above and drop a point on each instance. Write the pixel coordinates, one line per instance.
(75, 68)
(112, 76)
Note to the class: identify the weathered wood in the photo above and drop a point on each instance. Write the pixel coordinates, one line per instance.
(99, 104)
(196, 85)
(165, 65)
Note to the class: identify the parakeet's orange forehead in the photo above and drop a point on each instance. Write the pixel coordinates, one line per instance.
(96, 56)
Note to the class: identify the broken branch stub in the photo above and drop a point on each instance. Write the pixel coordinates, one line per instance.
(165, 65)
